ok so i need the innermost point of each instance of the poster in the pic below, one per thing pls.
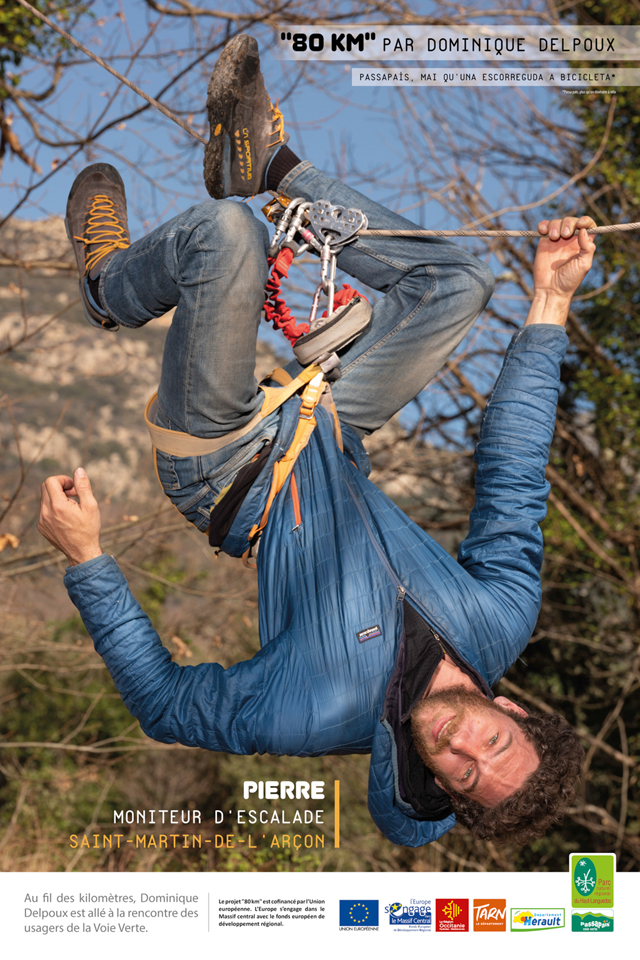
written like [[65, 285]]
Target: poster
[[90, 807]]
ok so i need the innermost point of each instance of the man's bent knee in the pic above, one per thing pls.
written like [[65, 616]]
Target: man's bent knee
[[227, 224], [486, 280], [475, 282]]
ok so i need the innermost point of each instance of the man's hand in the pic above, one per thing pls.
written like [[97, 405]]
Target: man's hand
[[73, 526], [562, 262]]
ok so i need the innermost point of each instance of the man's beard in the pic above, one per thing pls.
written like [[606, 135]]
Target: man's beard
[[460, 699]]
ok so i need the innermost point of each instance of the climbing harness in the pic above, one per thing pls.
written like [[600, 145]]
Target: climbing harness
[[332, 228]]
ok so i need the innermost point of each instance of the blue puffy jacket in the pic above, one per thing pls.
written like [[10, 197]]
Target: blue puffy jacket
[[314, 688]]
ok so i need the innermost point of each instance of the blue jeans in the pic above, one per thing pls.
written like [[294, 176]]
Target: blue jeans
[[210, 263]]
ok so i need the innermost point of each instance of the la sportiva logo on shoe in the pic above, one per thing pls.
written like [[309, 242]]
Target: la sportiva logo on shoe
[[452, 916], [243, 149]]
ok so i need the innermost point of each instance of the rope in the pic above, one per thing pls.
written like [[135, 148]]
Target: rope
[[145, 96], [610, 228]]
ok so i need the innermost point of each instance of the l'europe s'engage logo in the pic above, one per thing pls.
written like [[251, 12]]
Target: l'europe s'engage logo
[[359, 914], [415, 915]]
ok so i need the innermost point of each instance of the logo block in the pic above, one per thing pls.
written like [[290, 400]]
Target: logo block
[[592, 879], [592, 922], [534, 919], [452, 916], [358, 913], [414, 915], [490, 915]]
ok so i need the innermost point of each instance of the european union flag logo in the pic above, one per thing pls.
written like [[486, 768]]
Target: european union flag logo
[[358, 913]]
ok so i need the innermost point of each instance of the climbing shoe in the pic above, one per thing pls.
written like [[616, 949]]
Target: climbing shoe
[[96, 223], [245, 128]]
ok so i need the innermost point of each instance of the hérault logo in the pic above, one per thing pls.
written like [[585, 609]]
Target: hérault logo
[[530, 919]]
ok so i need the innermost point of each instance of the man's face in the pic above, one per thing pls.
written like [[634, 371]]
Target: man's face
[[474, 746]]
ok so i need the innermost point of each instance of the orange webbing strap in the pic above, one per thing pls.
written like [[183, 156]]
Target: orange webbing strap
[[276, 396], [180, 444], [296, 500], [283, 467], [312, 379], [280, 376]]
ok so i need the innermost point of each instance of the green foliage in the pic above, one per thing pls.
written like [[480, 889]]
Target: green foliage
[[584, 660], [48, 706], [22, 34]]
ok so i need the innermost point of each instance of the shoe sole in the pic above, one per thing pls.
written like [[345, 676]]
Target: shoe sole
[[238, 65]]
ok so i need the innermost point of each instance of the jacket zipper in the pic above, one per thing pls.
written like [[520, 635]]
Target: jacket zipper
[[403, 592]]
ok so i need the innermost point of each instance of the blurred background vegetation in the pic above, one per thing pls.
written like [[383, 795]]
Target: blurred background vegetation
[[70, 754]]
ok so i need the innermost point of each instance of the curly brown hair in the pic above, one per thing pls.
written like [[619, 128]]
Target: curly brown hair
[[543, 797]]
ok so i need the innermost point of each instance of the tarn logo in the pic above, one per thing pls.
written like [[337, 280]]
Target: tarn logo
[[490, 915]]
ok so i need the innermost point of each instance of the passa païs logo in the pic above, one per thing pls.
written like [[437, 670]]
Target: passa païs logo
[[592, 922], [361, 914], [490, 915], [530, 919], [452, 916], [415, 915], [592, 879]]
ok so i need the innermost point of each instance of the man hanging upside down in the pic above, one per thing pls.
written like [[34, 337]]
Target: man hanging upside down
[[373, 639]]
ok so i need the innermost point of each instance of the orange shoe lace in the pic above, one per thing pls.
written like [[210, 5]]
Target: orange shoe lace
[[103, 231]]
